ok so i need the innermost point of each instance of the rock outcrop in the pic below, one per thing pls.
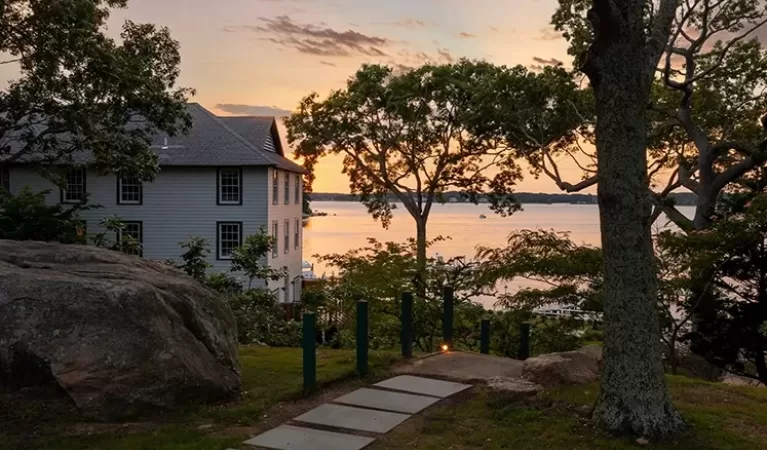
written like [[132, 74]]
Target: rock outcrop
[[568, 368], [119, 335]]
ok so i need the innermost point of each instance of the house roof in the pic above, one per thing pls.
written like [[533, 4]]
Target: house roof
[[223, 141], [213, 141]]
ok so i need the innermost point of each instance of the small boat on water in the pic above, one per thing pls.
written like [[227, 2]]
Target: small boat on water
[[482, 216]]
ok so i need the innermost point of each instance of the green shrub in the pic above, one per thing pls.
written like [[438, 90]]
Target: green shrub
[[27, 217], [261, 319]]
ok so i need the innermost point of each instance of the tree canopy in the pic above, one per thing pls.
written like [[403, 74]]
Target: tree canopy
[[79, 89], [415, 135]]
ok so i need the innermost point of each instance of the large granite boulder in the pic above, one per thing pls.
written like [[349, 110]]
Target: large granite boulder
[[117, 334], [566, 368]]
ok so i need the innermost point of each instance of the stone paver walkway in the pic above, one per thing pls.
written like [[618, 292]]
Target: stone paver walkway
[[374, 410]]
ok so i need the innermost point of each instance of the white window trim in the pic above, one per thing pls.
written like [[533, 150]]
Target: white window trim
[[121, 200], [297, 234], [219, 242], [64, 192], [276, 237], [275, 187], [220, 187], [286, 246], [140, 239], [287, 188]]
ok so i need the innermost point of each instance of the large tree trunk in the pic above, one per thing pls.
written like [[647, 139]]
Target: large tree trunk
[[634, 398], [421, 243]]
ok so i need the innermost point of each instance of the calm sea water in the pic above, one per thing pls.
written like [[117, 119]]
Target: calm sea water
[[348, 226]]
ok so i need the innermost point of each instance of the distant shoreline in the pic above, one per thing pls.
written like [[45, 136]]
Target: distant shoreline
[[681, 199]]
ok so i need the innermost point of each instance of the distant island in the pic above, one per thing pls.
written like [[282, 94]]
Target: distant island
[[681, 198]]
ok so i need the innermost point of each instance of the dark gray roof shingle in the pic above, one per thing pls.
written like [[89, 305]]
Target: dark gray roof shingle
[[212, 142]]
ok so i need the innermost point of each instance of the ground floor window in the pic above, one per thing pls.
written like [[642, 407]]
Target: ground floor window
[[131, 238], [229, 238]]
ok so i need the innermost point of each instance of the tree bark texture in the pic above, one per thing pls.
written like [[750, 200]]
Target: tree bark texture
[[634, 398]]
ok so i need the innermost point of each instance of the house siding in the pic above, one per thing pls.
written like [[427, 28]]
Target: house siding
[[280, 213], [180, 203]]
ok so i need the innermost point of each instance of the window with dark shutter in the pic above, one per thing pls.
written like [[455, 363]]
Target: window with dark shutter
[[230, 186], [287, 237], [75, 186], [298, 188], [131, 238], [287, 188], [296, 234], [229, 238], [129, 191], [275, 186], [276, 239]]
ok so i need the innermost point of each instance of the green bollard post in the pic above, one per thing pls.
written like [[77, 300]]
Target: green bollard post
[[447, 320], [362, 338], [310, 352], [524, 341], [484, 342], [407, 325]]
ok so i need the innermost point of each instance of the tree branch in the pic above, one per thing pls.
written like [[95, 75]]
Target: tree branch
[[659, 36]]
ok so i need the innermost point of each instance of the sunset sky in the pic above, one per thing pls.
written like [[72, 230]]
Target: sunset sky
[[262, 56]]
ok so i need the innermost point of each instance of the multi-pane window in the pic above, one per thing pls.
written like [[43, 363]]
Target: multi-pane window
[[75, 186], [287, 237], [287, 188], [298, 188], [229, 238], [296, 233], [131, 238], [275, 186], [275, 239], [129, 191], [5, 179], [229, 187]]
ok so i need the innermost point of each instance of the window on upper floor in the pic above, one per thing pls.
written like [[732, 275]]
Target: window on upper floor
[[275, 239], [230, 186], [287, 237], [229, 238], [275, 186], [74, 192], [5, 178], [296, 234], [129, 191], [131, 238], [298, 188], [287, 188]]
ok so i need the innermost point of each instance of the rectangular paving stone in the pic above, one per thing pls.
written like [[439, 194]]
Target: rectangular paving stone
[[353, 418], [425, 386], [387, 400], [287, 437]]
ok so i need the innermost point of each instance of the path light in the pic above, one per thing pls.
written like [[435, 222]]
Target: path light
[[445, 348]]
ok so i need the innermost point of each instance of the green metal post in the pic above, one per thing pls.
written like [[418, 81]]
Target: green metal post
[[484, 342], [524, 341], [362, 338], [447, 320], [310, 355], [407, 325]]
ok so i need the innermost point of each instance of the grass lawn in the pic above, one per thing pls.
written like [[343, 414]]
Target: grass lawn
[[269, 376], [720, 417]]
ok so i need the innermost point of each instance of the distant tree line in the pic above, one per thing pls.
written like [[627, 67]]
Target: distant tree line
[[678, 198]]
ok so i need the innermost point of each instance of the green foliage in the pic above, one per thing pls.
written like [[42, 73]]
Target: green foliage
[[250, 256], [734, 251], [195, 263], [571, 274], [430, 126], [223, 283], [78, 88], [547, 335], [380, 273], [27, 216], [261, 319]]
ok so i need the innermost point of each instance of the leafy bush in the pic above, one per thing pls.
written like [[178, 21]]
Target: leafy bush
[[27, 217], [261, 320], [223, 283], [195, 263]]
